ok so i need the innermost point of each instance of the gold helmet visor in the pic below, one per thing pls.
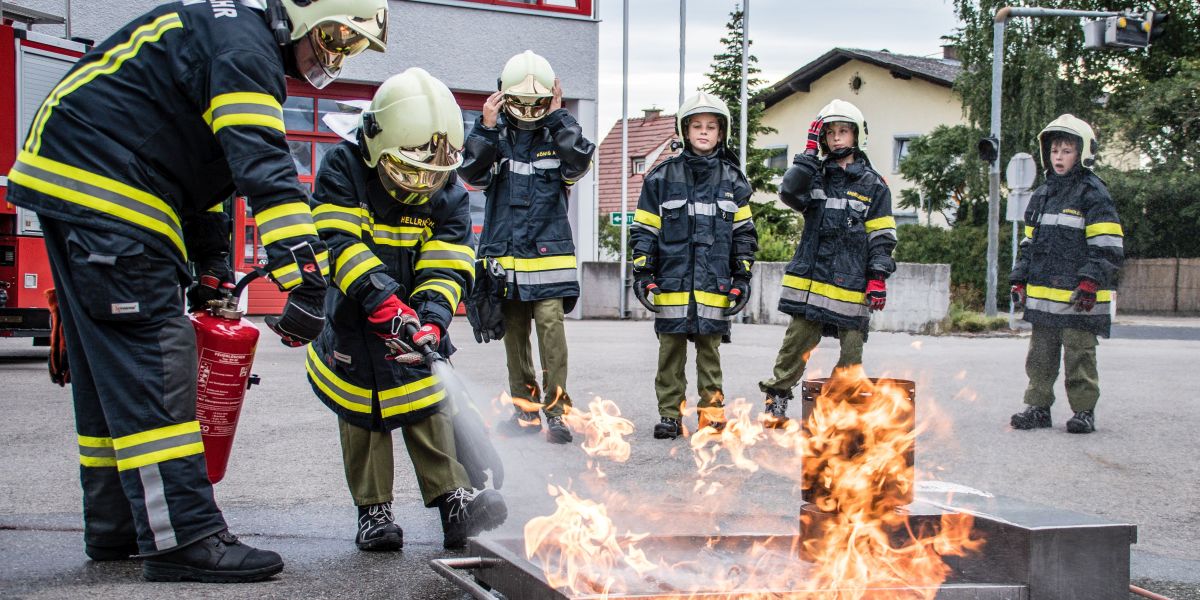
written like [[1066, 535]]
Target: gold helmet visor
[[527, 108], [421, 169]]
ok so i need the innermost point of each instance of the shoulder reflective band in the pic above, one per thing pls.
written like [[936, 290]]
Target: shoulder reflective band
[[436, 254], [647, 220], [284, 221], [106, 64], [98, 193], [1104, 229], [742, 214], [352, 263], [244, 108], [96, 451], [411, 397], [446, 287], [158, 445], [330, 216]]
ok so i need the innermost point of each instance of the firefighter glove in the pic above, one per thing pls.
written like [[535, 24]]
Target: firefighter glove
[[387, 321], [303, 316], [738, 297], [644, 289], [1017, 295], [60, 370], [211, 286], [429, 335], [484, 305], [1084, 296], [812, 146], [876, 294]]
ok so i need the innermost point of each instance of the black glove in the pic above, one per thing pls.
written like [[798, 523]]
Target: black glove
[[303, 316], [484, 305], [209, 286], [738, 296], [474, 447], [643, 288]]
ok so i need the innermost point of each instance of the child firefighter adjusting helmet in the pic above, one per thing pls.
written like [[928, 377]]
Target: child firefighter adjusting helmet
[[412, 133], [527, 82], [840, 111], [324, 33]]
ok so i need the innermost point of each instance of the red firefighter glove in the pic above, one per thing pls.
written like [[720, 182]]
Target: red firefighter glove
[[1017, 295], [876, 294], [388, 321], [1084, 296], [428, 335], [813, 145], [60, 370]]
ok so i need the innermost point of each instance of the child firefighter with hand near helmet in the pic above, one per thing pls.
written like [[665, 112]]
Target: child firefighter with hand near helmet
[[693, 248], [398, 225], [838, 274]]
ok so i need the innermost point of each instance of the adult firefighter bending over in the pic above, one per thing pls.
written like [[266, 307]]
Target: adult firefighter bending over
[[157, 124], [526, 159], [397, 223]]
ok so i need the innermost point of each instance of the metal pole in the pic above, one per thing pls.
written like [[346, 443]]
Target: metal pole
[[682, 45], [67, 21], [622, 303], [745, 69], [989, 301], [1012, 313]]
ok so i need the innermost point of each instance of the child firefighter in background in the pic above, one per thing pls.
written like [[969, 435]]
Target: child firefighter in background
[[838, 273], [693, 247], [397, 224], [1065, 273]]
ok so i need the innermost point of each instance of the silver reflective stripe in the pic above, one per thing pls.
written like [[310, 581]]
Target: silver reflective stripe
[[93, 452], [1108, 241], [545, 277], [332, 388], [158, 514], [650, 228], [1061, 220], [446, 255], [247, 108], [1064, 308], [741, 224], [710, 312], [399, 236], [673, 204], [672, 312], [265, 229], [287, 279], [835, 203], [727, 206], [848, 309], [817, 194], [348, 266], [444, 285], [857, 205], [411, 397], [704, 208], [889, 232], [547, 163], [520, 168], [354, 222], [174, 441]]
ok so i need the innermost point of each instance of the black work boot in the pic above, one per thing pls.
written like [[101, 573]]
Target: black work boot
[[218, 558], [1084, 421], [523, 422], [108, 553], [557, 431], [1033, 417], [466, 513], [775, 412], [377, 528], [668, 428]]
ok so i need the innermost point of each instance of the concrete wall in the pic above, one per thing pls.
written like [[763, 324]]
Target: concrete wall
[[1159, 285], [918, 296]]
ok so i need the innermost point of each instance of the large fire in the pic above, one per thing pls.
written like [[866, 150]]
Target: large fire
[[852, 458]]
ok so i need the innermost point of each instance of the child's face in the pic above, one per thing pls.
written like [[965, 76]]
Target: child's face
[[839, 136], [704, 132], [1063, 156]]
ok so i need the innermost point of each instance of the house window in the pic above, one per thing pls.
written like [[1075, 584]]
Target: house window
[[778, 157], [639, 166], [900, 150]]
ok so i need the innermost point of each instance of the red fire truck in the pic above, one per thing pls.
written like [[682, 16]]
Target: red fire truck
[[31, 64]]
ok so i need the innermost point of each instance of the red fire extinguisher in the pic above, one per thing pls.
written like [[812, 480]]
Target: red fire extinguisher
[[225, 342]]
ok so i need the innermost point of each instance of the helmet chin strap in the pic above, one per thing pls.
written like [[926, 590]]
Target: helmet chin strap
[[841, 153]]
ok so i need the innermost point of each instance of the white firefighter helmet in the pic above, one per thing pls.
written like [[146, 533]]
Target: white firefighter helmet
[[412, 132], [702, 102], [327, 32], [527, 82], [1074, 126], [840, 111]]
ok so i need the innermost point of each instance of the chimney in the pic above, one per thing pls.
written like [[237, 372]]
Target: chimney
[[950, 52], [653, 112]]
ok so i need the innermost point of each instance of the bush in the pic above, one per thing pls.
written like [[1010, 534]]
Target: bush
[[964, 248], [962, 318]]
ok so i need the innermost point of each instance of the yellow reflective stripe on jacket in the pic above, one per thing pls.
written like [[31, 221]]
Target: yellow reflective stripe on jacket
[[98, 193], [1061, 295], [217, 208], [330, 216], [352, 263], [646, 217], [742, 214], [288, 276], [244, 108], [1029, 231], [436, 254], [403, 236], [411, 397], [446, 287], [824, 289], [96, 451], [544, 263], [283, 221], [106, 64], [672, 299], [880, 223], [1096, 229], [158, 445], [711, 299], [345, 394]]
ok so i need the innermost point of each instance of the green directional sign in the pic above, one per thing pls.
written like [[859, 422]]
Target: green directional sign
[[614, 218]]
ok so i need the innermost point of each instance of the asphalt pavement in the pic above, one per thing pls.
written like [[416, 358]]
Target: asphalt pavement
[[285, 488]]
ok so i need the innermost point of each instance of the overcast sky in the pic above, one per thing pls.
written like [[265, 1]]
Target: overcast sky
[[785, 35]]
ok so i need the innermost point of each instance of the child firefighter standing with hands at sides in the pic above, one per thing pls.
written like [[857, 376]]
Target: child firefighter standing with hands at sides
[[693, 247], [838, 274]]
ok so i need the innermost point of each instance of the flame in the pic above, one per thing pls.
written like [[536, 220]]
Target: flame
[[604, 429]]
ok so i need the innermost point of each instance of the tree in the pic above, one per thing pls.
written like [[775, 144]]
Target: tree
[[724, 81], [947, 181]]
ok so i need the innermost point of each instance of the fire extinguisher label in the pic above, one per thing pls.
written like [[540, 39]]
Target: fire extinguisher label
[[220, 388]]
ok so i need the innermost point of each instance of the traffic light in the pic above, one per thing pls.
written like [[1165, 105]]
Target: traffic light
[[1124, 32], [1155, 25], [989, 149]]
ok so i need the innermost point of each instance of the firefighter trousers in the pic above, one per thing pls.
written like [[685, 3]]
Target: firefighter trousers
[[801, 337], [1076, 350], [670, 383], [132, 355], [370, 469], [547, 317]]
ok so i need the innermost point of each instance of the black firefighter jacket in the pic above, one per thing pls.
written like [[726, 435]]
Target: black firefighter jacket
[[416, 249], [162, 121], [694, 229], [1071, 232], [526, 176], [848, 238]]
